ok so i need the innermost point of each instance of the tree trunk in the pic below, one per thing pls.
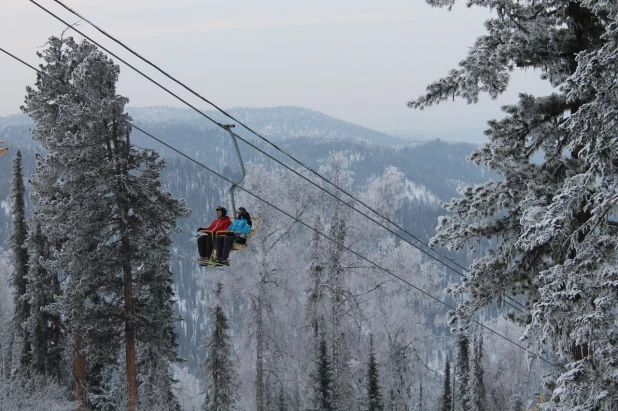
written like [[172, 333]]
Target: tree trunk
[[129, 331], [122, 148], [79, 373]]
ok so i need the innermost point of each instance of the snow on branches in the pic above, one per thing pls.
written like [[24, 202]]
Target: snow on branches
[[551, 219]]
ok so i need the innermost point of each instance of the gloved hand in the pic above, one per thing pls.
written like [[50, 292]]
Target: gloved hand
[[200, 229]]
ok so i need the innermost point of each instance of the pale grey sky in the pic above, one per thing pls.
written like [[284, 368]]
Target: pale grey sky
[[356, 60]]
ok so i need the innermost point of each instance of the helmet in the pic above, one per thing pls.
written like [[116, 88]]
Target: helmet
[[223, 211]]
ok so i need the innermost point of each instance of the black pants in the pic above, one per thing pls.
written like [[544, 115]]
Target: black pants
[[224, 245], [205, 245]]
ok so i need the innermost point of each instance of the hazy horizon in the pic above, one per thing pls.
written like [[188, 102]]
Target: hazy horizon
[[357, 61], [470, 135]]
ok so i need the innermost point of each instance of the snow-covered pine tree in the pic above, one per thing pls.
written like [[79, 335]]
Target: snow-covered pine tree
[[553, 221], [315, 300], [322, 379], [156, 346], [337, 166], [45, 326], [19, 278], [99, 200], [446, 399], [421, 399], [281, 402], [34, 392], [518, 404], [462, 371], [374, 394], [476, 386], [6, 316], [399, 388], [222, 391]]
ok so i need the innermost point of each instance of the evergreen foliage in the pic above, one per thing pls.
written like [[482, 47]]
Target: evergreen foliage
[[322, 380], [400, 391], [374, 395], [462, 372], [221, 394], [316, 314], [99, 200], [553, 221], [336, 167], [446, 400], [45, 326], [19, 279], [518, 405], [476, 386], [281, 400], [34, 392]]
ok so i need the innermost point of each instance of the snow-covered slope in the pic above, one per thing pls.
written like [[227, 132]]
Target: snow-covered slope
[[277, 123]]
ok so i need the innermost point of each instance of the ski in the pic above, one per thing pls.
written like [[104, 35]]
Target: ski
[[201, 263]]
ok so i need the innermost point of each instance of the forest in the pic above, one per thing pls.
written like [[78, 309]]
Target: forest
[[422, 276]]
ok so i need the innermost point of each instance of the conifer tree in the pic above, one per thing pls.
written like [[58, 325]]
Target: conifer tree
[[99, 199], [421, 399], [19, 250], [552, 218], [400, 390], [315, 314], [446, 400], [281, 401], [476, 386], [221, 394], [44, 325], [337, 166], [322, 379], [462, 371], [374, 395]]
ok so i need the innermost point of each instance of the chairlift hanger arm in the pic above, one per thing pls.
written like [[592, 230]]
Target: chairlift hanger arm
[[228, 128]]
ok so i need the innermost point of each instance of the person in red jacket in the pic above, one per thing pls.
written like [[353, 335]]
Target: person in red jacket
[[206, 242]]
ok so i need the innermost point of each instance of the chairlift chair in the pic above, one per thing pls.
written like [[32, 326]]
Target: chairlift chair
[[255, 221]]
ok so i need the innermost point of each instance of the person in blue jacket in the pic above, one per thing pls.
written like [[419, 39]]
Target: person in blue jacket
[[241, 225]]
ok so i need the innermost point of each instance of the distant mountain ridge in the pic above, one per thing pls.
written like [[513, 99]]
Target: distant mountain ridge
[[277, 123]]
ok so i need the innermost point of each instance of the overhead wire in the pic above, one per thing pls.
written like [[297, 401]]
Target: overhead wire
[[70, 88], [225, 113], [266, 140]]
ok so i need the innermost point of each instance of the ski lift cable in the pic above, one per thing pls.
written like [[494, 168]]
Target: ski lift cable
[[225, 127], [332, 240], [369, 217], [234, 135], [298, 220], [222, 111], [259, 136]]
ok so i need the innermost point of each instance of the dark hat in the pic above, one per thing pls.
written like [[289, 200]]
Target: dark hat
[[241, 210]]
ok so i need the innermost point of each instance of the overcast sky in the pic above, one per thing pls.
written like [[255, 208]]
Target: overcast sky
[[356, 60]]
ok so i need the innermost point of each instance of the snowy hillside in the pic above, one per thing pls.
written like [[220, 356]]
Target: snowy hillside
[[430, 173], [278, 123]]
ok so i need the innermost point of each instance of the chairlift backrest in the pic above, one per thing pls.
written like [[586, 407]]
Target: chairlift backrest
[[255, 223]]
